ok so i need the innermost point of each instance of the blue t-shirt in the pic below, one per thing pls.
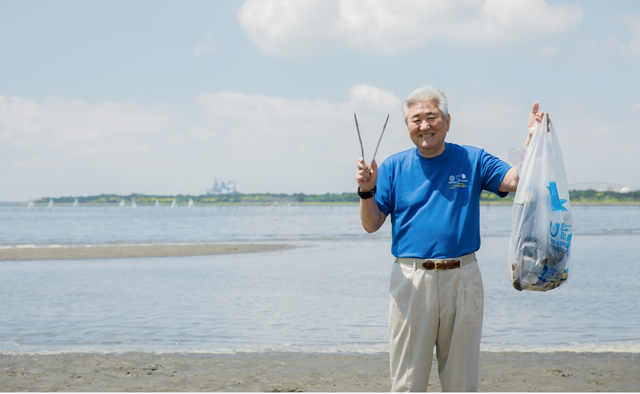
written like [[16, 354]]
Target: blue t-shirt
[[435, 203]]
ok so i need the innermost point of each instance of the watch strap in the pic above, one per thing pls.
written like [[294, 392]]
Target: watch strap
[[368, 194]]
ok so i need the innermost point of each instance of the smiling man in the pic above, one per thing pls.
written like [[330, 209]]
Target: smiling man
[[432, 193]]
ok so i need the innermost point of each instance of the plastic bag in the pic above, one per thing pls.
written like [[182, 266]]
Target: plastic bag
[[540, 247]]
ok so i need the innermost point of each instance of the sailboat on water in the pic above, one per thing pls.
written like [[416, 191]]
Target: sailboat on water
[[50, 203], [121, 202], [30, 204], [75, 203], [133, 204], [190, 202], [157, 203], [174, 203]]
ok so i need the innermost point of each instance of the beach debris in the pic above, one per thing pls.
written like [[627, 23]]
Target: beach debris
[[540, 246]]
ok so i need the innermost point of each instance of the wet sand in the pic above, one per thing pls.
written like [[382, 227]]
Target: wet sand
[[130, 251], [285, 372]]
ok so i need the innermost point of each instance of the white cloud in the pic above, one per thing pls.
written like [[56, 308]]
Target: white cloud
[[495, 124], [59, 146], [75, 127], [312, 28], [264, 143], [264, 126], [206, 46], [272, 143], [366, 96]]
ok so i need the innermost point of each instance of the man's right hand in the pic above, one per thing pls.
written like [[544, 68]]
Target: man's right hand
[[367, 175], [370, 215]]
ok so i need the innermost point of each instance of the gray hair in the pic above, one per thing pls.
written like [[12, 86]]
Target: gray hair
[[425, 93]]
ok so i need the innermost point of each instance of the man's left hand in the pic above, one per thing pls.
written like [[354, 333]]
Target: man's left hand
[[534, 118], [511, 179]]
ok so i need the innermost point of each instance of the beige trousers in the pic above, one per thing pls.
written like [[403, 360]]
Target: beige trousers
[[435, 308]]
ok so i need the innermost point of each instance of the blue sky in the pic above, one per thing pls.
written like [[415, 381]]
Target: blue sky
[[161, 97]]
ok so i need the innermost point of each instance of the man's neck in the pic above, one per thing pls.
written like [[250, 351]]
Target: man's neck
[[431, 153]]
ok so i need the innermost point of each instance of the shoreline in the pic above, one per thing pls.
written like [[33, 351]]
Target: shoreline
[[324, 372], [284, 204], [90, 252]]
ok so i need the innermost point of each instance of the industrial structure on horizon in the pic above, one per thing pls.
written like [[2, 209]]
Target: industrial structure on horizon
[[222, 187]]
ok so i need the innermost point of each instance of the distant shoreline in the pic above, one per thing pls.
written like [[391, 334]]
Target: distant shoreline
[[235, 204], [90, 252], [577, 197], [164, 205]]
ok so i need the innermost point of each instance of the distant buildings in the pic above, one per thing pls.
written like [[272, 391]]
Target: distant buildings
[[221, 187], [603, 186]]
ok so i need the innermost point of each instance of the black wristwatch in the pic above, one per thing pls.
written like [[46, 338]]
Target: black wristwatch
[[369, 194]]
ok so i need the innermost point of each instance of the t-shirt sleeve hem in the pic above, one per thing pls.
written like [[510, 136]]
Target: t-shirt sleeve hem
[[382, 208], [499, 193]]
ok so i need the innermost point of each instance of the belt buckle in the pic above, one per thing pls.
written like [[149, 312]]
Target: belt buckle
[[439, 265]]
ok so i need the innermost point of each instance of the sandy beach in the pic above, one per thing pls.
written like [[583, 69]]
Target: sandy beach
[[130, 251], [288, 372]]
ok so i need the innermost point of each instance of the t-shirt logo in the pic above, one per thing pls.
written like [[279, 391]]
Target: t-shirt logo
[[459, 180]]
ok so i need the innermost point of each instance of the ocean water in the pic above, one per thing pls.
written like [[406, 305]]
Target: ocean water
[[330, 293]]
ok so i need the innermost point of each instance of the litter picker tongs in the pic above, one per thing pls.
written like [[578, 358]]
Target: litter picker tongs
[[360, 138]]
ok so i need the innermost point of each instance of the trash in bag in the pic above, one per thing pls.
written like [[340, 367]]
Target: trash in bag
[[540, 247]]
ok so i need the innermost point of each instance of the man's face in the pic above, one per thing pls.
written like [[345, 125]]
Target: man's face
[[428, 128]]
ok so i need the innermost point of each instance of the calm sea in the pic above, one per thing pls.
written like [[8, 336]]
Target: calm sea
[[327, 294]]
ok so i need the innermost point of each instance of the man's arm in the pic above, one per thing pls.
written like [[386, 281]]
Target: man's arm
[[511, 179], [370, 215]]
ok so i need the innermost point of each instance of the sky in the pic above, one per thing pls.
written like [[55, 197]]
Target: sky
[[163, 97]]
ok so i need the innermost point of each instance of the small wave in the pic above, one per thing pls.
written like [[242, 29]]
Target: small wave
[[573, 347], [351, 348]]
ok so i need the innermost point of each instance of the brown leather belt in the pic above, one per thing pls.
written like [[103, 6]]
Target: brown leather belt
[[438, 264], [441, 265]]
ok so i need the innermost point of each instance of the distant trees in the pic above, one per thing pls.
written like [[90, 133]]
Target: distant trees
[[576, 196], [592, 196], [231, 198]]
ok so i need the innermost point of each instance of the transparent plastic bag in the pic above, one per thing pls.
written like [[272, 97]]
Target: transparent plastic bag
[[540, 247]]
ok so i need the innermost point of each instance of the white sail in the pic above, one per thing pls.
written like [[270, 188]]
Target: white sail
[[75, 203], [174, 203], [133, 204], [157, 203], [30, 204], [190, 203], [51, 203], [121, 202]]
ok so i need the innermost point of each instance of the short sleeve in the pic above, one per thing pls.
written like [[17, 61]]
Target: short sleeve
[[383, 185], [493, 171]]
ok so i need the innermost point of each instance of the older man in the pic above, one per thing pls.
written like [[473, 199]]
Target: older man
[[432, 193]]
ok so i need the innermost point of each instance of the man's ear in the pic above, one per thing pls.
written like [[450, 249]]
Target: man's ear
[[448, 121]]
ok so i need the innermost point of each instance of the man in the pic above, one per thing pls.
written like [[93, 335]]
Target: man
[[432, 193]]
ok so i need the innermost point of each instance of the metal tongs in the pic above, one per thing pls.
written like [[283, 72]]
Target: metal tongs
[[360, 138]]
